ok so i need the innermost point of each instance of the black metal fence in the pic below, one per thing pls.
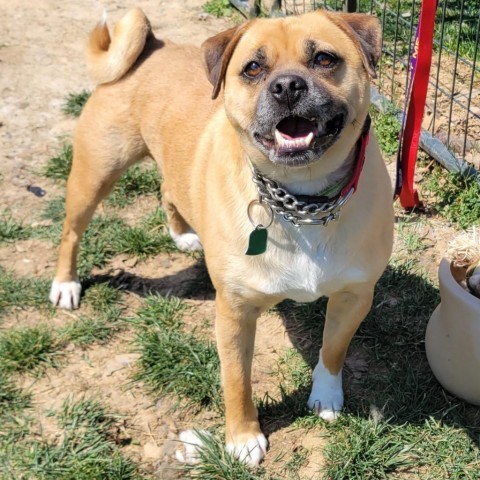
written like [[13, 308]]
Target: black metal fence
[[452, 115]]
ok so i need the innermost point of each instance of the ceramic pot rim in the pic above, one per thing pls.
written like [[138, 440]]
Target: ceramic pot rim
[[445, 276]]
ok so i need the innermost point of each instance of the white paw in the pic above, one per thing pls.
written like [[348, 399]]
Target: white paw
[[66, 294], [192, 444], [251, 452], [327, 393], [186, 241]]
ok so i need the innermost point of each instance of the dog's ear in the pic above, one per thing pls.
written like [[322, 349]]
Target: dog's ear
[[217, 52], [366, 33]]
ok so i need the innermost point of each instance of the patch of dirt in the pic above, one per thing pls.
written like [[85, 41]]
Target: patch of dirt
[[104, 372], [29, 258]]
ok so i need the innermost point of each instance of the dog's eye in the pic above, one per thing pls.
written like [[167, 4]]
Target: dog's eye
[[252, 70], [325, 60]]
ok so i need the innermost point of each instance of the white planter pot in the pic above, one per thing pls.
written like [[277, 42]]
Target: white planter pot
[[452, 339]]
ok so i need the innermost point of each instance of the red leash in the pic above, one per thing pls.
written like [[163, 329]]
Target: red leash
[[415, 99]]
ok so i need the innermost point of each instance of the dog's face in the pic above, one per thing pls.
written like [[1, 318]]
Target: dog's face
[[294, 86]]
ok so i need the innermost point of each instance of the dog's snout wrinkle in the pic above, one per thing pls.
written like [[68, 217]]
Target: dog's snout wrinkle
[[288, 89]]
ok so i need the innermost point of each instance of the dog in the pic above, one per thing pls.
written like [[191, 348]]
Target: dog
[[263, 139]]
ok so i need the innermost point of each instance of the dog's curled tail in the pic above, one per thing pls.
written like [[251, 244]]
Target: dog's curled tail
[[109, 59]]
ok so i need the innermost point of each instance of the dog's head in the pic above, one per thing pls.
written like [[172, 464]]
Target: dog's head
[[296, 87]]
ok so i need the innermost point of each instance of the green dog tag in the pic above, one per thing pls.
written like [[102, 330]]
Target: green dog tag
[[257, 242]]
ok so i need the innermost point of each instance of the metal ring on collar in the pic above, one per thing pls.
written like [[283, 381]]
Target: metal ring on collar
[[267, 207]]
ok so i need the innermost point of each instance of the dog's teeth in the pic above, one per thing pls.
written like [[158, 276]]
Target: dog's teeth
[[278, 137], [308, 139], [299, 143]]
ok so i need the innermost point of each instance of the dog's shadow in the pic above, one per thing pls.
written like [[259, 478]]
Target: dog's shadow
[[386, 370]]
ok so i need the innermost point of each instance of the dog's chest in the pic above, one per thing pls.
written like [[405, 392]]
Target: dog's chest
[[300, 264]]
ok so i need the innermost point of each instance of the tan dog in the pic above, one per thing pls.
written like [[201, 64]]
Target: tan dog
[[292, 109]]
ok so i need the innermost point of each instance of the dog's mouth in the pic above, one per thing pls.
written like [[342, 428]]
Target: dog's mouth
[[294, 136]]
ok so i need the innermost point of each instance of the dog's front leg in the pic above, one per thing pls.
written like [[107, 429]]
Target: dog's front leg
[[345, 312], [235, 330]]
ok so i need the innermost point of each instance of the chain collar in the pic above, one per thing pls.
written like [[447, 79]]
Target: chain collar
[[311, 210]]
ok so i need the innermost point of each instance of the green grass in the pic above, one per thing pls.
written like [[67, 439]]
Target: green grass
[[74, 103], [455, 196], [12, 230], [413, 241], [364, 448], [58, 167], [100, 325], [85, 450], [139, 242], [175, 362], [11, 397], [88, 329], [218, 8], [110, 236], [387, 128], [107, 236], [28, 350], [102, 297], [217, 464], [54, 210], [20, 293], [136, 181], [368, 450]]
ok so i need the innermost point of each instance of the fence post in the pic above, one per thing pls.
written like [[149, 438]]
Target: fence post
[[350, 6]]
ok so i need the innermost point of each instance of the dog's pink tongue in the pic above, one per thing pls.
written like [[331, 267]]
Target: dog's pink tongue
[[292, 128], [294, 134]]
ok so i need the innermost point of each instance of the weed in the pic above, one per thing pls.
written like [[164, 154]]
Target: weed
[[156, 221], [292, 371], [218, 8], [102, 324], [412, 240], [22, 292], [28, 349], [98, 243], [107, 236], [363, 449], [387, 129], [87, 413], [101, 297], [85, 450], [165, 311], [11, 230], [136, 181], [11, 397], [175, 362], [457, 196], [297, 461], [59, 166], [97, 328], [138, 242], [54, 210], [75, 102]]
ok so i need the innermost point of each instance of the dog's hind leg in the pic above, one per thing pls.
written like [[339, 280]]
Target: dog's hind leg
[[96, 166], [180, 231], [345, 311]]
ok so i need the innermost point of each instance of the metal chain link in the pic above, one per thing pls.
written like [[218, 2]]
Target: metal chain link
[[295, 211]]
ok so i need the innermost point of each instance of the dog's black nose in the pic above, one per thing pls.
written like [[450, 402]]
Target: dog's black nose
[[288, 89]]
